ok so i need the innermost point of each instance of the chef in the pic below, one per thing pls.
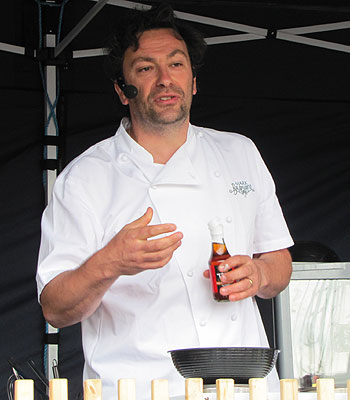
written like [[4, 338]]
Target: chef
[[125, 239]]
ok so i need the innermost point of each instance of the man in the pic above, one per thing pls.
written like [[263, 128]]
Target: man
[[125, 243]]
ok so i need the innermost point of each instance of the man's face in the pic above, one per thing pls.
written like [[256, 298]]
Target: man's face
[[161, 71]]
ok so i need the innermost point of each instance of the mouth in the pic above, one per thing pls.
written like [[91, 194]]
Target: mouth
[[166, 99]]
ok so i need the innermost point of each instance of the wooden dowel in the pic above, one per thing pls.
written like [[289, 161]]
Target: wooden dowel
[[92, 389], [160, 389], [194, 389], [225, 389], [289, 389], [325, 389], [58, 389], [257, 389], [24, 389], [127, 389], [348, 388]]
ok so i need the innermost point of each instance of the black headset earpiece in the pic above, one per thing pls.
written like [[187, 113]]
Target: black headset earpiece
[[130, 91]]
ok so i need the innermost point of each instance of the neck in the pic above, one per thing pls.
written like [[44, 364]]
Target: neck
[[161, 141]]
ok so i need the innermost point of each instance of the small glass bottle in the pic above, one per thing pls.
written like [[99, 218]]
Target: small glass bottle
[[219, 253]]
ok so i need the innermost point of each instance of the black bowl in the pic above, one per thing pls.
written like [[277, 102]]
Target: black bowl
[[211, 363]]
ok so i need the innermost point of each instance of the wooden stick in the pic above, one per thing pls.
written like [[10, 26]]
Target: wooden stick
[[58, 389], [289, 389], [127, 389], [160, 389], [257, 389], [194, 389], [92, 389], [348, 388], [225, 389], [325, 389], [24, 389]]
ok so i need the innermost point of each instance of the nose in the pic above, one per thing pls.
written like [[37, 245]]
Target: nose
[[163, 78]]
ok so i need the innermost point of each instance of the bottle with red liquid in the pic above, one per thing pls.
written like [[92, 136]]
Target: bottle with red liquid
[[219, 253]]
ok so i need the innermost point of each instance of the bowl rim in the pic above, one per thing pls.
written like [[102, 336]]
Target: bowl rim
[[272, 349]]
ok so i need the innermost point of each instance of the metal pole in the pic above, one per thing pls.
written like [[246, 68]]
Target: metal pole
[[51, 153], [284, 335], [79, 27]]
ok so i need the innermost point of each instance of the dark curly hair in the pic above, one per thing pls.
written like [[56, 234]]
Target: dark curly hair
[[136, 22]]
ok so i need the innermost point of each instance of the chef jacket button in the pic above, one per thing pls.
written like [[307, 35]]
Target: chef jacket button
[[203, 322], [190, 274], [233, 317], [154, 187], [124, 157], [200, 134], [217, 174], [229, 219]]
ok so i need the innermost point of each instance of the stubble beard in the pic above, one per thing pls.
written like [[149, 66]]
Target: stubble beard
[[150, 117], [156, 118]]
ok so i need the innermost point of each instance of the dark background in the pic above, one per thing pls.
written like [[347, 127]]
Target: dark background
[[291, 99]]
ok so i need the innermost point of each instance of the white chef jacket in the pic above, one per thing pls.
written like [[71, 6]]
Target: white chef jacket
[[141, 317]]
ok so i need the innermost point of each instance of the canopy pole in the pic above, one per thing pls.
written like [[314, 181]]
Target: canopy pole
[[79, 27], [51, 353]]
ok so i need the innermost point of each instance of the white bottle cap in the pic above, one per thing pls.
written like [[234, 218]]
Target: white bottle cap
[[215, 226]]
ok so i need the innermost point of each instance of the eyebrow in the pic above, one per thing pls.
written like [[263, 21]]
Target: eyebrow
[[177, 51], [150, 59]]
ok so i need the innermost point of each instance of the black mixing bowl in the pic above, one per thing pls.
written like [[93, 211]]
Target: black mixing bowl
[[211, 363]]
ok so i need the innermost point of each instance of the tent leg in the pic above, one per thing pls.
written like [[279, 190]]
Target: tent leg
[[51, 353]]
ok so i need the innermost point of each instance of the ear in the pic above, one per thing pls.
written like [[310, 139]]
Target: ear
[[124, 100], [194, 86]]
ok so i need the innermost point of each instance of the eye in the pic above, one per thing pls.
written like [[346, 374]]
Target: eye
[[177, 64], [144, 69]]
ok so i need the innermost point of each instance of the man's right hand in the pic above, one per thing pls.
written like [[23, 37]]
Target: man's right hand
[[132, 250], [75, 294]]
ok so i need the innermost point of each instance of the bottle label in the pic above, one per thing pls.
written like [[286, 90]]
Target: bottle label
[[216, 278]]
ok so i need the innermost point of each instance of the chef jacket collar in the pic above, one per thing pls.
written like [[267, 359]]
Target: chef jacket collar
[[130, 146], [178, 170]]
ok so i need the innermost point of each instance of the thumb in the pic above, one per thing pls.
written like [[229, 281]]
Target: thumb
[[144, 220]]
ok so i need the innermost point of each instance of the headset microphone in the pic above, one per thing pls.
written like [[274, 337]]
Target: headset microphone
[[130, 91]]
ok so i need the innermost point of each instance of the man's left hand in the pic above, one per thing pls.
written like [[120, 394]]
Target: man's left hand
[[264, 275]]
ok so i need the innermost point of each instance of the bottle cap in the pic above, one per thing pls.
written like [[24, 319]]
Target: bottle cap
[[216, 227]]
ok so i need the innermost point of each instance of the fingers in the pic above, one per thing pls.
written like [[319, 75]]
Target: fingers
[[239, 290], [237, 267], [136, 247], [140, 228], [156, 245], [150, 231], [156, 249], [241, 277], [161, 257]]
